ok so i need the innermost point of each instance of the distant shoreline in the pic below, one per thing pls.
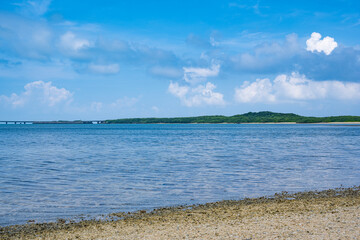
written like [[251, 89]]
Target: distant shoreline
[[87, 123], [299, 215], [247, 118], [265, 117]]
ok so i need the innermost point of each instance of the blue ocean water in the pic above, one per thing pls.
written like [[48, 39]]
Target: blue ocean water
[[63, 171]]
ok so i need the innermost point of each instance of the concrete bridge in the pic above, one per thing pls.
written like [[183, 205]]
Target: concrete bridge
[[52, 122], [16, 122]]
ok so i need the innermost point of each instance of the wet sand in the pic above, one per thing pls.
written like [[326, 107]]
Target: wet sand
[[330, 214]]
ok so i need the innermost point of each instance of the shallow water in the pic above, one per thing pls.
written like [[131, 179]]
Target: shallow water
[[62, 171]]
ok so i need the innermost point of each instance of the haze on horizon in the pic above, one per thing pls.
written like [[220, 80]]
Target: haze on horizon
[[120, 59]]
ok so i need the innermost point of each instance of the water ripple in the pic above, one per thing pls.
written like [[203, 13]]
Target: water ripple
[[59, 171]]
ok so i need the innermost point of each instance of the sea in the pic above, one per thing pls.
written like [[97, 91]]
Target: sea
[[80, 171]]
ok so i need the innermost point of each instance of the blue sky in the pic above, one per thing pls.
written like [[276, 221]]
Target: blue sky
[[117, 59]]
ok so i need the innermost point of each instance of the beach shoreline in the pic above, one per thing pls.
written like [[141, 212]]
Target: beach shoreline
[[331, 214]]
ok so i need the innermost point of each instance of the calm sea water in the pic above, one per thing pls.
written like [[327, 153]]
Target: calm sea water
[[62, 171]]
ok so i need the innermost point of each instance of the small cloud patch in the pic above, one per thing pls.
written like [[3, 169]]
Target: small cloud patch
[[295, 87], [197, 96], [195, 75], [39, 92], [326, 45], [69, 41]]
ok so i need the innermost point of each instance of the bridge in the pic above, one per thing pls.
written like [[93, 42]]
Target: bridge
[[16, 122], [52, 122]]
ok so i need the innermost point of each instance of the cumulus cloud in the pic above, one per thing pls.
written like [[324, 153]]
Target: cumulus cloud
[[295, 87], [39, 92], [195, 75], [104, 69], [290, 55], [69, 41], [258, 91], [197, 96], [276, 58], [191, 95], [326, 45]]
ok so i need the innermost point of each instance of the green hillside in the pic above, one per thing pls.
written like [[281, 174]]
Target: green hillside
[[250, 117]]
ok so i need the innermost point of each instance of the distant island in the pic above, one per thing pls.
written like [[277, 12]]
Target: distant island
[[250, 117], [64, 122]]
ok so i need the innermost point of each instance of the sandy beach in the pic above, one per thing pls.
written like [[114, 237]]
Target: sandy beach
[[330, 214]]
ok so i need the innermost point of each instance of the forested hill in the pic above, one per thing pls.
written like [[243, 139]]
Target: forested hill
[[250, 117]]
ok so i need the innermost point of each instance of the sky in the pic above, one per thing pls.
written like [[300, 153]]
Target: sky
[[93, 60]]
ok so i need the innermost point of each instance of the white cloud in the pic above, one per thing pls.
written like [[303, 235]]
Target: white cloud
[[201, 94], [299, 88], [195, 75], [295, 87], [70, 42], [326, 45], [104, 69], [197, 96], [39, 92], [178, 91], [258, 91]]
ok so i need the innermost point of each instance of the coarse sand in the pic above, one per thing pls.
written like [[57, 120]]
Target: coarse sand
[[329, 214]]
